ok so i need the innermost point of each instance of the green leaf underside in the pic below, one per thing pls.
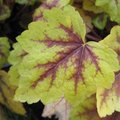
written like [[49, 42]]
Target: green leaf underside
[[108, 100], [52, 59]]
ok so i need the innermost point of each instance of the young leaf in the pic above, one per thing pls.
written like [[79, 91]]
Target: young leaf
[[58, 61], [48, 4], [4, 50], [112, 7], [7, 93], [100, 21], [108, 100], [113, 40], [59, 108]]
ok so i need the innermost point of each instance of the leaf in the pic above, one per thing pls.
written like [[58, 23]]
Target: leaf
[[85, 111], [111, 7], [4, 50], [46, 5], [108, 100], [28, 2], [89, 5], [7, 93], [100, 21], [87, 19], [5, 12], [113, 40], [58, 61], [61, 108]]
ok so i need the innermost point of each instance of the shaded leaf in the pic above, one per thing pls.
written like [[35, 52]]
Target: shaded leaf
[[28, 2], [4, 50], [7, 93], [2, 114], [5, 12], [87, 19], [89, 5], [100, 21]]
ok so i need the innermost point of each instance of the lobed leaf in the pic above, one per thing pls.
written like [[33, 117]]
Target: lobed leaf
[[108, 100], [51, 58], [113, 40]]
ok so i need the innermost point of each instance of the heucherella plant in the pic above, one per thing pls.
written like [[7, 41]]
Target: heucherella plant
[[52, 62]]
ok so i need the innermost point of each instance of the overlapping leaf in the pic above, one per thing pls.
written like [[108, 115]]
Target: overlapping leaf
[[4, 50], [7, 93], [51, 59], [112, 7], [108, 100], [49, 4], [113, 40], [89, 5]]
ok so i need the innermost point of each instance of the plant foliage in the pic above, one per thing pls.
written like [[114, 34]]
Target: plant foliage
[[63, 62]]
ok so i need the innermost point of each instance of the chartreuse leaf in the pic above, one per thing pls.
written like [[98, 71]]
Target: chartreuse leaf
[[108, 100], [57, 61], [48, 4], [4, 50], [89, 5], [112, 7], [113, 40], [7, 93]]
